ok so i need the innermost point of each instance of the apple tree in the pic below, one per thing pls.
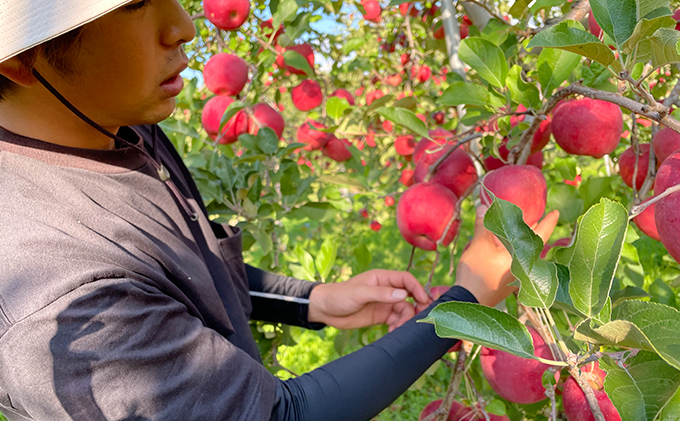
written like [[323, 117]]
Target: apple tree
[[345, 136]]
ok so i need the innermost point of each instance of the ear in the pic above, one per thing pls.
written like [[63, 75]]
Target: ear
[[14, 70]]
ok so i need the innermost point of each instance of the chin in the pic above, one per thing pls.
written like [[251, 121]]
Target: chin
[[158, 114]]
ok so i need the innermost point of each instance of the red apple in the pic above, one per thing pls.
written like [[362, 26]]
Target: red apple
[[405, 145], [342, 93], [373, 10], [593, 26], [337, 149], [457, 172], [646, 222], [424, 73], [476, 414], [403, 9], [303, 49], [423, 214], [307, 95], [269, 24], [676, 16], [268, 117], [542, 135], [394, 80], [389, 201], [587, 127], [465, 27], [387, 126], [457, 408], [375, 226], [227, 14], [627, 165], [439, 137], [406, 177], [523, 185], [225, 74], [372, 96], [667, 213], [405, 58], [574, 401], [314, 139], [665, 142], [438, 117], [517, 379], [212, 116]]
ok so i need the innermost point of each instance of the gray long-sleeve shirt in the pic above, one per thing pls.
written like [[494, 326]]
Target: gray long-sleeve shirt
[[113, 302]]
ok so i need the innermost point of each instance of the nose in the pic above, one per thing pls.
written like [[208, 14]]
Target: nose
[[178, 27]]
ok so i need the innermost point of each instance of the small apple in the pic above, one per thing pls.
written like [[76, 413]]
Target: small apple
[[342, 93], [337, 149], [389, 201], [315, 139], [373, 95], [405, 145], [227, 14], [225, 74], [307, 95], [212, 116], [375, 226], [627, 165], [647, 223], [406, 177], [264, 115], [665, 142], [269, 24], [373, 10], [456, 409]]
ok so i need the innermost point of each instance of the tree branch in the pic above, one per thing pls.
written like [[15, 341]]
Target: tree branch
[[442, 413], [588, 391]]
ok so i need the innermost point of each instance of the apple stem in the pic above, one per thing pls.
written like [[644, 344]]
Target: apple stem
[[429, 279], [638, 209], [410, 262], [198, 16], [588, 391]]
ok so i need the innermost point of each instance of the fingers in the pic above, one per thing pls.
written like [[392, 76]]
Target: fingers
[[401, 313], [545, 228], [402, 281], [479, 220], [380, 294]]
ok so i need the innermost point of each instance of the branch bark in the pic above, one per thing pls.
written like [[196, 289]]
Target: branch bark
[[442, 413], [452, 37], [588, 391]]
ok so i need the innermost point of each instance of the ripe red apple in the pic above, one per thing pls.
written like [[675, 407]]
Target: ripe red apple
[[465, 27], [268, 117], [492, 163], [389, 201], [676, 16], [373, 95], [373, 10], [627, 165], [439, 137], [665, 142], [212, 115], [406, 177], [307, 95], [438, 117], [523, 185], [423, 214], [303, 49], [476, 414], [394, 80], [424, 73], [314, 139], [457, 172], [667, 213], [457, 408], [574, 401], [375, 226], [227, 14], [593, 26], [225, 74], [337, 149], [514, 378], [387, 126], [646, 222], [403, 8], [342, 93], [587, 127], [405, 145], [404, 58]]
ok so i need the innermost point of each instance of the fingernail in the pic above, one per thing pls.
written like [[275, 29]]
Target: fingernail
[[481, 210], [399, 294]]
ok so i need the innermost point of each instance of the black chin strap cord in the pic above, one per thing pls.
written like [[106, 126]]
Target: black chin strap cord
[[163, 173]]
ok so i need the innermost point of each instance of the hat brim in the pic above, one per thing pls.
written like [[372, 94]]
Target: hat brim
[[25, 24]]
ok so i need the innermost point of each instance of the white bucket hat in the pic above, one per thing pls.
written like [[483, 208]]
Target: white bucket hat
[[27, 23]]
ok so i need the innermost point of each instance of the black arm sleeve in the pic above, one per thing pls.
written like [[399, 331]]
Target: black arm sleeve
[[287, 299], [358, 386]]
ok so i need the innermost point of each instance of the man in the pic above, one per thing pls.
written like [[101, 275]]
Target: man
[[119, 298]]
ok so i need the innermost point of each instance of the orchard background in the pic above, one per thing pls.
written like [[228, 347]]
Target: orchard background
[[320, 201]]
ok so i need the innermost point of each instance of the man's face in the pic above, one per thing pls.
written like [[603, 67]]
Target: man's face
[[125, 69]]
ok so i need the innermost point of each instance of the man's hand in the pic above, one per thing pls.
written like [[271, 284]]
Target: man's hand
[[370, 298], [484, 267]]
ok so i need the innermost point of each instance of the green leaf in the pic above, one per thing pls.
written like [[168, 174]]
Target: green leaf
[[522, 92], [326, 258], [482, 325], [617, 18], [464, 93], [231, 111], [565, 198], [352, 44], [316, 211], [298, 61], [652, 8], [519, 8], [595, 254], [628, 293], [306, 261], [405, 118], [570, 36], [660, 48], [343, 180], [363, 257], [267, 141], [299, 26], [263, 239], [538, 277], [646, 28], [640, 389], [335, 107], [486, 58], [542, 4], [637, 324], [377, 103], [554, 67], [284, 12]]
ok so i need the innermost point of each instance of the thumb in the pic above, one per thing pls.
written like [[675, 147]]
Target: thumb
[[381, 294], [479, 219], [545, 228]]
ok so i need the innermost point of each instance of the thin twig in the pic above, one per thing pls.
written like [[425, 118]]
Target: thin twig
[[442, 413], [452, 149], [429, 279], [410, 260], [588, 391], [638, 209], [491, 12]]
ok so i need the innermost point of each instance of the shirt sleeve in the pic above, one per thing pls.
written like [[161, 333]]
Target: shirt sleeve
[[358, 386], [121, 349], [280, 299]]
